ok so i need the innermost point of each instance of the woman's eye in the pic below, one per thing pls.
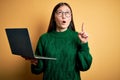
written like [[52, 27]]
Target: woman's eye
[[59, 12]]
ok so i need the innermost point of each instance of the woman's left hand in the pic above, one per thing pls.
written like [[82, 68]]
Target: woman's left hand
[[83, 36]]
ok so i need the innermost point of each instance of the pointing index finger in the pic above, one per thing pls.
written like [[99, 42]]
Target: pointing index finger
[[82, 28]]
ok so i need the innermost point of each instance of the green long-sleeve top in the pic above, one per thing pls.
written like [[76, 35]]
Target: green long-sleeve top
[[71, 55]]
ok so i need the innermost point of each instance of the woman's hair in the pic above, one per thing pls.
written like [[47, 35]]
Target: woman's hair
[[52, 24]]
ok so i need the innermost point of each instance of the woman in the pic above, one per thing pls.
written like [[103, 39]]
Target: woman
[[70, 48]]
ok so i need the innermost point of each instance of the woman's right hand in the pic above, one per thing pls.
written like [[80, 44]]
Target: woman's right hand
[[33, 61]]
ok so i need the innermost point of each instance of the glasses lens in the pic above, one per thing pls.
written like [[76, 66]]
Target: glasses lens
[[67, 14], [59, 13]]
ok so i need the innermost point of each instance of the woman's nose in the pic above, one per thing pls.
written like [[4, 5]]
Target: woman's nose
[[63, 15]]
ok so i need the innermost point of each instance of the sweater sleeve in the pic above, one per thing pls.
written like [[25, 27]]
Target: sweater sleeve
[[84, 58], [40, 66]]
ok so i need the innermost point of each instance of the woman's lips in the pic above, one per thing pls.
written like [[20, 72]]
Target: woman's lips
[[64, 21]]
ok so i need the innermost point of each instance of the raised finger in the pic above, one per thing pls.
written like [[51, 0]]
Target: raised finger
[[82, 28]]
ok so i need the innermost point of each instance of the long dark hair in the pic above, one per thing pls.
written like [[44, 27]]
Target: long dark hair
[[52, 24]]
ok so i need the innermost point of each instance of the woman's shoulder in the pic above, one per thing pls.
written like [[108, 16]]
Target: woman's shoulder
[[75, 33], [44, 36]]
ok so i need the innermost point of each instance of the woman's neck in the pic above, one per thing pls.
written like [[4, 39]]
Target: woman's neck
[[60, 29]]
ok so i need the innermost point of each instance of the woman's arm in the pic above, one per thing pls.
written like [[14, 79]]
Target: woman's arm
[[84, 58], [39, 66]]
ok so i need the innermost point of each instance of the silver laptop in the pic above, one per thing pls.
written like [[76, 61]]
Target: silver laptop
[[20, 43]]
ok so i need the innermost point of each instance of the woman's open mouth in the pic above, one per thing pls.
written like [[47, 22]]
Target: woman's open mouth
[[64, 21]]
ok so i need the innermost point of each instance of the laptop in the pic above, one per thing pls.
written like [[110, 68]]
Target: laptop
[[20, 43]]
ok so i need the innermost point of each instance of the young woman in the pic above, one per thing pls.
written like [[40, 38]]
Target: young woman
[[62, 42]]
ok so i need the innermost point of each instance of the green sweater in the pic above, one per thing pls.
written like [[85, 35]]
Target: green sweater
[[72, 56]]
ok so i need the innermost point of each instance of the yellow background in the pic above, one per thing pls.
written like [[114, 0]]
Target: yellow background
[[102, 23]]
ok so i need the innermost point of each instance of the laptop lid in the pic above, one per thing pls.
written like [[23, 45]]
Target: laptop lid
[[19, 42]]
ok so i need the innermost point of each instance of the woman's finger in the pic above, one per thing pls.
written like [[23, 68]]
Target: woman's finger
[[82, 28], [34, 61], [85, 35]]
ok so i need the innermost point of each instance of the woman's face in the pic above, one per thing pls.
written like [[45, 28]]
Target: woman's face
[[63, 17]]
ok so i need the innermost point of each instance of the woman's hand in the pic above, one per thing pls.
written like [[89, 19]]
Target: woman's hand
[[33, 61], [83, 35]]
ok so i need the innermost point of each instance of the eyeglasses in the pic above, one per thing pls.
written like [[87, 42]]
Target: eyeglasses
[[60, 13]]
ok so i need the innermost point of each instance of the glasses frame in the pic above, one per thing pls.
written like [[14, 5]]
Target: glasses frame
[[61, 13]]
